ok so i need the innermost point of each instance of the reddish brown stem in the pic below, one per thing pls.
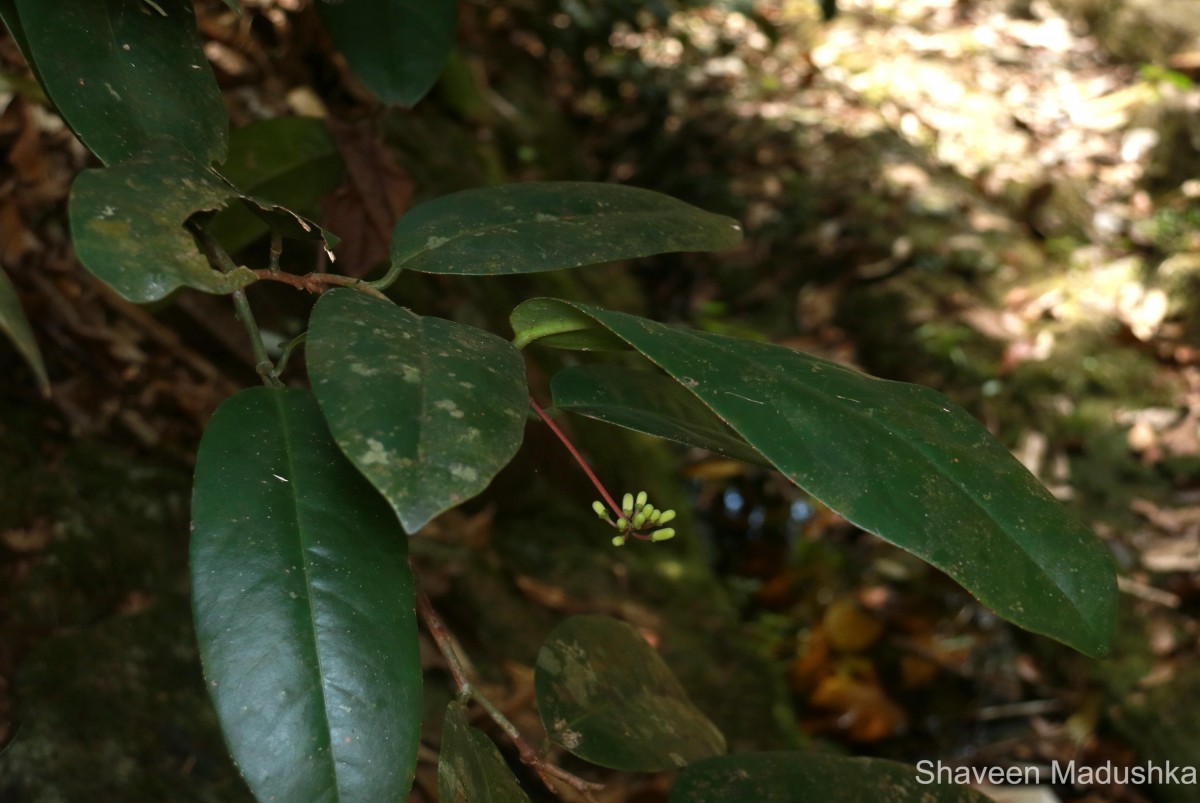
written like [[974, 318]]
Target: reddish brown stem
[[448, 648], [591, 475], [318, 282]]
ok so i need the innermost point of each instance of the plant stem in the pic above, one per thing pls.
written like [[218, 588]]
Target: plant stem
[[449, 649], [262, 362], [220, 260], [319, 282], [591, 475]]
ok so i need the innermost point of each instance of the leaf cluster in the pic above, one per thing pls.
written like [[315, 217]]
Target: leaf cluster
[[305, 604]]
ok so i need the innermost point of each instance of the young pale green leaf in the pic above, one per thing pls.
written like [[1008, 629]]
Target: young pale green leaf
[[792, 777], [527, 228], [397, 47], [127, 74], [554, 324], [127, 224], [649, 402], [427, 409], [290, 161], [470, 768], [15, 326], [906, 463], [304, 607], [607, 697]]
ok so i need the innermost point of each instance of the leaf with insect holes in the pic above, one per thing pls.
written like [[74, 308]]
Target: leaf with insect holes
[[286, 163], [127, 224]]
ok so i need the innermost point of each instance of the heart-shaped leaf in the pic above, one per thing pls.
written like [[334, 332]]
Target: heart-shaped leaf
[[906, 463], [470, 768], [607, 697], [649, 402], [127, 224], [304, 607], [790, 777], [15, 326], [289, 161], [396, 47], [526, 228], [128, 74], [427, 409]]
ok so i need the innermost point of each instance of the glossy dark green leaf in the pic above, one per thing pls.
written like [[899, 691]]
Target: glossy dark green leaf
[[15, 327], [289, 161], [648, 402], [304, 607], [127, 224], [791, 777], [396, 47], [128, 74], [906, 463], [607, 697], [470, 768], [427, 409], [526, 228]]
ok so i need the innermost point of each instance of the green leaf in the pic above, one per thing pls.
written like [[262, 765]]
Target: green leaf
[[289, 161], [553, 324], [607, 697], [127, 224], [791, 777], [127, 74], [427, 409], [470, 767], [526, 228], [906, 463], [647, 402], [304, 607], [396, 47], [16, 327]]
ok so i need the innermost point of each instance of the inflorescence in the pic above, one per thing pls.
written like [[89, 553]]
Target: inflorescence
[[637, 516]]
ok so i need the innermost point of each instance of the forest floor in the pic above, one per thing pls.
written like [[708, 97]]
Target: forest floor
[[972, 195]]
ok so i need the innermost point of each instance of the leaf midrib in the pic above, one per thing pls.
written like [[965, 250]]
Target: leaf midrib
[[577, 220], [874, 424], [294, 487]]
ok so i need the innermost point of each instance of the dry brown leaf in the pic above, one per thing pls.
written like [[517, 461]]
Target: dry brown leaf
[[365, 209]]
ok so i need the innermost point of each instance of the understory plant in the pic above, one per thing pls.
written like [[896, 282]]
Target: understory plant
[[306, 607]]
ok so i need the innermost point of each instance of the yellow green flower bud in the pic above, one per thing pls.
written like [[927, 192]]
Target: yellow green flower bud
[[664, 534], [618, 540], [641, 499], [639, 520], [666, 516], [598, 506], [627, 505], [622, 524]]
